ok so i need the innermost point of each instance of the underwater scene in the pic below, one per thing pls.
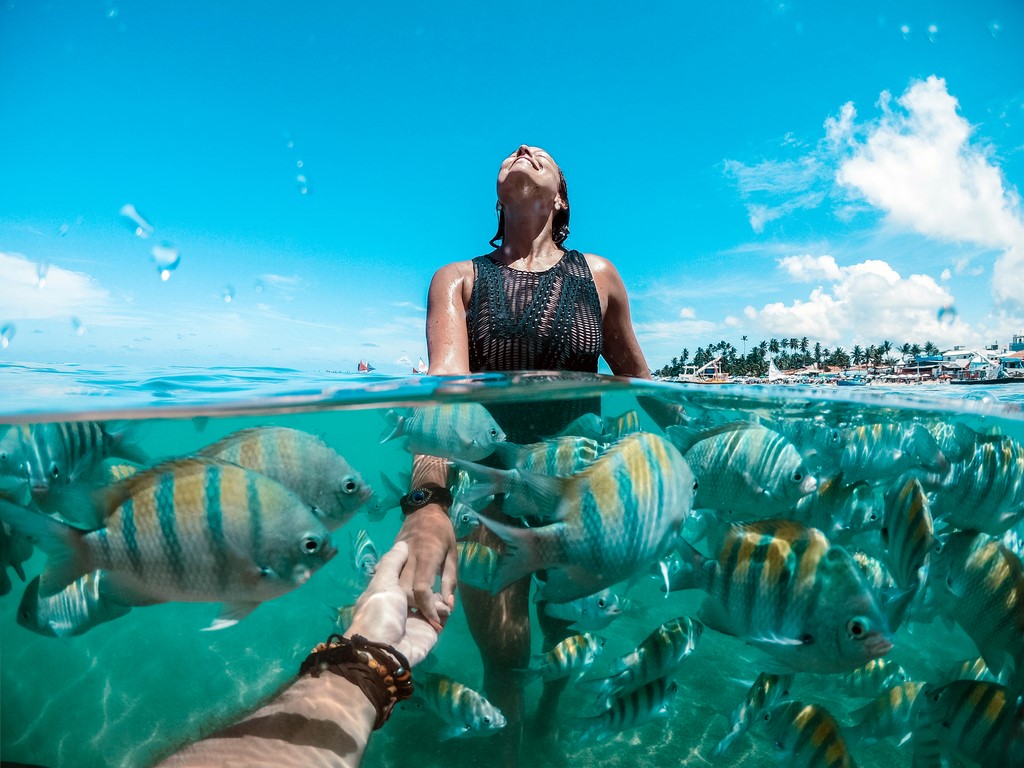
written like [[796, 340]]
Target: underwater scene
[[751, 574]]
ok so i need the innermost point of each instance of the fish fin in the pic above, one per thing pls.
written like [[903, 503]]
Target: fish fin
[[522, 555], [231, 614], [487, 481], [691, 567], [506, 454], [452, 732], [377, 511], [683, 438], [16, 490], [63, 544], [547, 490], [200, 422], [393, 428], [79, 505]]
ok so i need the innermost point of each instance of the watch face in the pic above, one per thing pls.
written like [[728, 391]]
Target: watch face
[[419, 497]]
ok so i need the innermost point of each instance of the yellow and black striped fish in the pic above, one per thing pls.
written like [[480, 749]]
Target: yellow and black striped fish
[[299, 461], [569, 658], [464, 711], [807, 736], [194, 530], [627, 710], [891, 714], [763, 695], [985, 492], [973, 720], [907, 532]]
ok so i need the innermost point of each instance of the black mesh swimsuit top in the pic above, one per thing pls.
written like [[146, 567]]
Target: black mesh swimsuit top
[[529, 321]]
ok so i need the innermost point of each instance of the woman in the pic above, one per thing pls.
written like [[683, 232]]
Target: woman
[[530, 304]]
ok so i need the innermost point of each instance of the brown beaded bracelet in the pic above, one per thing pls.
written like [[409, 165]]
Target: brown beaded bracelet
[[380, 671]]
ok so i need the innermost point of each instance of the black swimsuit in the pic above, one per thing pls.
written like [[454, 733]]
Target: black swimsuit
[[530, 321]]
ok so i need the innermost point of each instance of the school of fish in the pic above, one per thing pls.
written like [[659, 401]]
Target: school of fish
[[821, 546]]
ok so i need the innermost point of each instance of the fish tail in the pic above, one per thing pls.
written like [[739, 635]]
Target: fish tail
[[521, 556], [393, 428], [690, 569], [63, 544]]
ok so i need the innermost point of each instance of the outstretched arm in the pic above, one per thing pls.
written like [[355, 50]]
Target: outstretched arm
[[323, 720], [429, 530]]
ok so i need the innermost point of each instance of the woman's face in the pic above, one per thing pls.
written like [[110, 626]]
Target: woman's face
[[529, 172]]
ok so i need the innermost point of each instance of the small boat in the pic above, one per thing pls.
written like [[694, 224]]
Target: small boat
[[364, 367], [851, 381]]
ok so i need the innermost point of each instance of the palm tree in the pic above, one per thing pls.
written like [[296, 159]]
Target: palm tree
[[744, 345], [804, 344], [930, 348], [773, 346], [915, 349], [858, 354]]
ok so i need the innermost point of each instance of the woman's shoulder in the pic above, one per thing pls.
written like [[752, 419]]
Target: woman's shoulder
[[599, 264]]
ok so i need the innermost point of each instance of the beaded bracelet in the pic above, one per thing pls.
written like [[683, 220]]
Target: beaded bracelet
[[380, 671]]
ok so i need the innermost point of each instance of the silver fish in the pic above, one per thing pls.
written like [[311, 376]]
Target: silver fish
[[459, 431], [14, 550], [986, 492], [364, 554], [765, 692], [74, 610], [786, 590], [880, 451], [628, 710], [615, 518], [194, 530], [302, 462], [569, 658], [747, 470], [464, 711], [589, 614]]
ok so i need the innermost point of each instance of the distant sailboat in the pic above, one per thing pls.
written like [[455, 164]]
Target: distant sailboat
[[774, 374], [365, 367], [420, 368]]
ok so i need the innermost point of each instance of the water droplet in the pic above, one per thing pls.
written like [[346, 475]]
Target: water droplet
[[933, 32], [303, 184], [42, 269], [298, 163], [227, 293], [6, 334], [63, 229], [135, 221], [77, 326], [167, 258], [258, 286], [905, 31], [995, 28], [947, 314], [112, 13]]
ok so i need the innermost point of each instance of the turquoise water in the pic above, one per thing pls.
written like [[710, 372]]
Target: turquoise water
[[131, 689]]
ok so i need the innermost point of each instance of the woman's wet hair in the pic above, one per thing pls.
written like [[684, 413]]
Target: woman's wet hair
[[559, 224]]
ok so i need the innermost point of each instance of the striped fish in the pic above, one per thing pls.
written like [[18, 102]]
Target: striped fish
[[464, 431], [806, 736], [194, 530], [659, 654], [622, 425], [876, 452], [628, 710], [986, 492], [561, 456], [464, 711], [589, 425], [970, 669], [299, 461], [979, 583], [14, 550], [747, 470], [61, 453], [74, 610], [835, 508], [364, 554], [478, 564], [973, 720], [15, 479], [890, 714], [873, 679], [789, 592], [907, 532], [615, 518], [570, 658], [956, 441], [590, 613], [766, 691]]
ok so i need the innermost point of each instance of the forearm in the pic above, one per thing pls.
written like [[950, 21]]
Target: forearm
[[322, 721], [429, 469]]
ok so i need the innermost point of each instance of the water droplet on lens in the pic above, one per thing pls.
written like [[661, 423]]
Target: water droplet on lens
[[290, 144], [303, 184], [135, 221], [298, 163], [947, 314], [42, 268], [112, 13], [933, 32], [63, 229], [905, 31], [228, 293], [258, 286], [995, 28], [167, 258], [6, 334], [77, 326]]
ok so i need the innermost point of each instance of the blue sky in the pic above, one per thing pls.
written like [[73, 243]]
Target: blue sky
[[836, 171]]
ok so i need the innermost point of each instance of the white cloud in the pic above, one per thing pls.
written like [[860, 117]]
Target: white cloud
[[63, 293], [870, 294], [732, 322], [687, 313], [946, 275]]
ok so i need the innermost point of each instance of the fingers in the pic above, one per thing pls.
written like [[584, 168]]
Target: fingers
[[449, 579], [426, 603], [390, 567]]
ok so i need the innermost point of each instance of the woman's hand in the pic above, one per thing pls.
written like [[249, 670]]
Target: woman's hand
[[382, 611], [431, 540]]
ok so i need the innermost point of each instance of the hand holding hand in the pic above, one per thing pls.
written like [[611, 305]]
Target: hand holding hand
[[382, 611], [431, 539]]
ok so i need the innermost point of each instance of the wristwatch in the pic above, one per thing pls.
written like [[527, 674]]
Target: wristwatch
[[430, 493]]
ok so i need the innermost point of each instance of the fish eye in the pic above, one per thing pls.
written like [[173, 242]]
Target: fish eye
[[807, 639], [54, 471], [487, 721], [695, 484], [858, 628], [494, 432], [601, 603], [797, 476], [311, 545], [348, 485]]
